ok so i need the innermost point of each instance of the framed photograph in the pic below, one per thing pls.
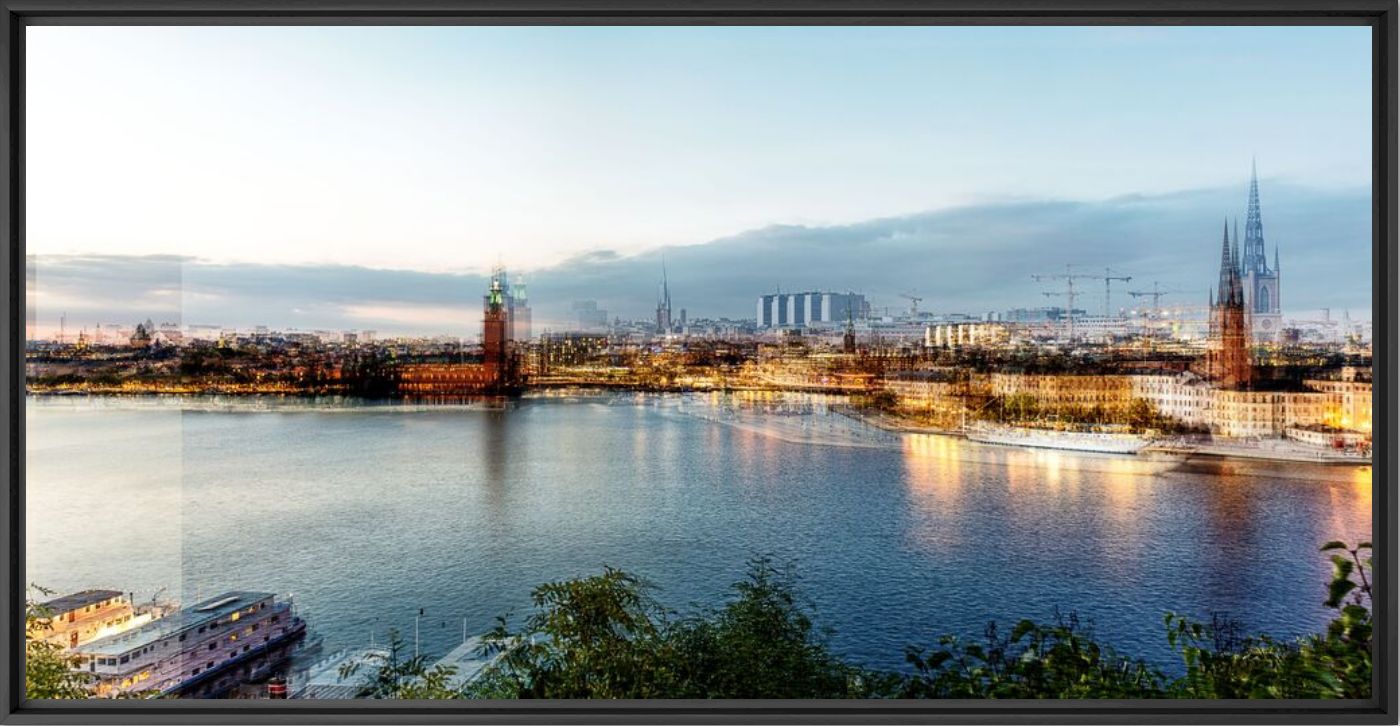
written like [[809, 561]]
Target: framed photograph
[[768, 362]]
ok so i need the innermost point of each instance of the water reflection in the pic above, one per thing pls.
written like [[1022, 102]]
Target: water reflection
[[897, 537]]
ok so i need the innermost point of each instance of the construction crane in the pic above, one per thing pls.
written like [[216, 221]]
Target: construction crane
[[1108, 278], [1156, 294], [914, 301], [1068, 276]]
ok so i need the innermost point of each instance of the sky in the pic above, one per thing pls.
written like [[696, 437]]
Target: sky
[[376, 174]]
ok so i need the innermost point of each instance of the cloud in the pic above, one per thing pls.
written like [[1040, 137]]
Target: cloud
[[968, 259]]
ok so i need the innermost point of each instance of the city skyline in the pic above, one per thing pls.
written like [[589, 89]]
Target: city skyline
[[379, 173], [1155, 239]]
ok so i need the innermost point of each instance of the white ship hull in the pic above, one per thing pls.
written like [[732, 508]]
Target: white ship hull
[[1102, 443]]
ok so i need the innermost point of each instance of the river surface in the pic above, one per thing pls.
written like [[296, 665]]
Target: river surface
[[366, 513]]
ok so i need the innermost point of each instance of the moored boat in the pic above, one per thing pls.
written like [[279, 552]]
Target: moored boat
[[1103, 442]]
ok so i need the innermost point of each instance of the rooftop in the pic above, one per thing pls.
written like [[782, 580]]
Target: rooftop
[[77, 600], [198, 614]]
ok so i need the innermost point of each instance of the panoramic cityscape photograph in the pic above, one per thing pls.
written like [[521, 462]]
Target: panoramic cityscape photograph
[[698, 362]]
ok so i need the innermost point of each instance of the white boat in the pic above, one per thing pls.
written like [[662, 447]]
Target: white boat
[[1091, 441]]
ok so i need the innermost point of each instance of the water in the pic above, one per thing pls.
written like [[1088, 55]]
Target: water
[[367, 513]]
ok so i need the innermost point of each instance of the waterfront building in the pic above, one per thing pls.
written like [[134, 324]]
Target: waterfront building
[[1340, 405], [941, 395], [1351, 402], [497, 370], [571, 349], [1106, 395], [201, 651], [494, 331], [82, 617], [444, 379], [1186, 398]]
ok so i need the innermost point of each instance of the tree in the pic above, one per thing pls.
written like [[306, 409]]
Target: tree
[[592, 637], [49, 671], [606, 636]]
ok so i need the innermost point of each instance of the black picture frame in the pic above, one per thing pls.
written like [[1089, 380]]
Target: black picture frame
[[1380, 15]]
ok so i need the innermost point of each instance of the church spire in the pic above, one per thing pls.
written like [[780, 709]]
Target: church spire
[[1227, 266], [1255, 259]]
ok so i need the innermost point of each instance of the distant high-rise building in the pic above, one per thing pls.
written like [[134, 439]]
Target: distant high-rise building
[[520, 310], [589, 316], [1260, 282], [809, 309]]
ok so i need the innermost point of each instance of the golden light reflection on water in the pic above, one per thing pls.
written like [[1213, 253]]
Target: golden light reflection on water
[[1039, 490], [1350, 502], [934, 473], [934, 465]]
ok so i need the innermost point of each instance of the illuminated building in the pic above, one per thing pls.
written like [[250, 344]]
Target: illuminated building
[[1350, 408], [444, 379], [495, 374], [571, 349], [1108, 394], [941, 395], [960, 335], [1338, 405]]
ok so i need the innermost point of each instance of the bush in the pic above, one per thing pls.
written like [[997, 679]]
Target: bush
[[605, 636]]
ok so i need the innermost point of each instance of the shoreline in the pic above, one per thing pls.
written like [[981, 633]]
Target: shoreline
[[1215, 450], [1212, 450]]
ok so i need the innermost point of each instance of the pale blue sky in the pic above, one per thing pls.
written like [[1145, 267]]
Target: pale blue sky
[[447, 149]]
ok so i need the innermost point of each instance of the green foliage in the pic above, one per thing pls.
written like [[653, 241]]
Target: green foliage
[[49, 671], [605, 636], [392, 675], [1032, 661], [762, 644], [593, 637], [1220, 663]]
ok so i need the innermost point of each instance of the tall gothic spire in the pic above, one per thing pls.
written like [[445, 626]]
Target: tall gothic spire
[[1255, 259], [1227, 266]]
